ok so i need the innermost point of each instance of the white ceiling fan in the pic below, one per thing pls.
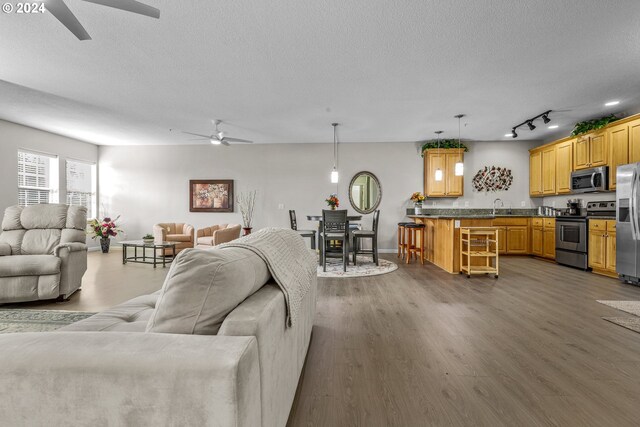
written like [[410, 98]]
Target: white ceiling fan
[[218, 137], [59, 9]]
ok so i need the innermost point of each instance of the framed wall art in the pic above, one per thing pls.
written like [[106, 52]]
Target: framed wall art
[[211, 195]]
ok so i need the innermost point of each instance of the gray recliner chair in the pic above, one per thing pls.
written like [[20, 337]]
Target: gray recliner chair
[[43, 254]]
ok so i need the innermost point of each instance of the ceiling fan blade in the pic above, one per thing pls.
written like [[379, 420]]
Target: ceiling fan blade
[[60, 10], [237, 140], [223, 142], [198, 139], [130, 6], [198, 134]]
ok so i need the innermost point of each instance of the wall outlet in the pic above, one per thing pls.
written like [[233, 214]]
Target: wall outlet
[[523, 203], [433, 203], [280, 206], [466, 204], [455, 204]]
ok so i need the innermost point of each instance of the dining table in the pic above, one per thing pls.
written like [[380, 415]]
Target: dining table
[[318, 218]]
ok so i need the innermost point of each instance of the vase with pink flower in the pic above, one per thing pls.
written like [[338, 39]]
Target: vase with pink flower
[[104, 230]]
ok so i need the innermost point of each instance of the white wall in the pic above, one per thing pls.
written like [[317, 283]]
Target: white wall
[[14, 137], [149, 184]]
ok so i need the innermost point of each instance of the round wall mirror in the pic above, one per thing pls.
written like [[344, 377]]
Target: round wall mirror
[[365, 192]]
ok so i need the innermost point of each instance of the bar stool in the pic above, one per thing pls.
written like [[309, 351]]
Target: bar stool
[[413, 231], [402, 246]]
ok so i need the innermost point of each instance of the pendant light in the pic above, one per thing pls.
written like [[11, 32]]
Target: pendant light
[[459, 167], [439, 174], [334, 173]]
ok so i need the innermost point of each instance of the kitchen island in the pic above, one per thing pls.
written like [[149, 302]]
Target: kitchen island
[[517, 235]]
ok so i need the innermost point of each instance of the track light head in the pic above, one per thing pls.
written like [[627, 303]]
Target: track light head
[[513, 133], [531, 125], [545, 119]]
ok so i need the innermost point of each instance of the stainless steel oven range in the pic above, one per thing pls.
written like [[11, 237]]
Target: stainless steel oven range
[[572, 234]]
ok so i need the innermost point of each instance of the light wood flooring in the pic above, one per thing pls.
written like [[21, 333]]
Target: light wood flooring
[[421, 347]]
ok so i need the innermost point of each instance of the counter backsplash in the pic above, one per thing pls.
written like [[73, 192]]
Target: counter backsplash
[[470, 211]]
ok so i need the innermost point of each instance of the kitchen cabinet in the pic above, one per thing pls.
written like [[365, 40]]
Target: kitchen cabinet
[[591, 150], [549, 238], [445, 160], [618, 150], [549, 170], [634, 141], [517, 240], [564, 166], [535, 174], [537, 238], [513, 235], [543, 237], [602, 247]]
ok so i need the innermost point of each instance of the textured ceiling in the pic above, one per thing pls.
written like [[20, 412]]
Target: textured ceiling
[[282, 71]]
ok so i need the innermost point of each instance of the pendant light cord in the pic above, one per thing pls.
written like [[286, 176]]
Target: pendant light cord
[[335, 146]]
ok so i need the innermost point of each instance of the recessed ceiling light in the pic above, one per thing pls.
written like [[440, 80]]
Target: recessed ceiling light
[[553, 127], [611, 103]]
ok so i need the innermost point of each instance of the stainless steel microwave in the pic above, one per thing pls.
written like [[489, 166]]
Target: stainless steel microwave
[[590, 180]]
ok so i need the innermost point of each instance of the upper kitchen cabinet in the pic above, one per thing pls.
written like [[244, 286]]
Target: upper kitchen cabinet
[[542, 171], [618, 137], [590, 150], [444, 159], [549, 170], [634, 141], [535, 173], [564, 166]]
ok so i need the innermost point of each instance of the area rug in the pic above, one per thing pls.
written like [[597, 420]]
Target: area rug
[[365, 268], [22, 320], [631, 307]]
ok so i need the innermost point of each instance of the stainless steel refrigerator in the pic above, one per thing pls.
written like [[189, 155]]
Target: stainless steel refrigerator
[[628, 222]]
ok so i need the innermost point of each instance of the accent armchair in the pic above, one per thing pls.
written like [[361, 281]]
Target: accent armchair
[[43, 254], [209, 237], [181, 233]]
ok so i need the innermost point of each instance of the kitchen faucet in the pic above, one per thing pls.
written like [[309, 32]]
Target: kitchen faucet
[[494, 205]]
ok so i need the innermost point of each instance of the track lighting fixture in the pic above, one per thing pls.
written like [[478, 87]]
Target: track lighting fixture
[[529, 123]]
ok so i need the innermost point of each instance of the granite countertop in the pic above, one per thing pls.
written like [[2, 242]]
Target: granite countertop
[[478, 216], [602, 217]]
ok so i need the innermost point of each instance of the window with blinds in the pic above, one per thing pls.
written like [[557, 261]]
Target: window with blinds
[[37, 178], [81, 185]]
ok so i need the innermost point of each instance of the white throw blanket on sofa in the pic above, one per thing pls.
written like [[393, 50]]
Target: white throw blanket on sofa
[[291, 263]]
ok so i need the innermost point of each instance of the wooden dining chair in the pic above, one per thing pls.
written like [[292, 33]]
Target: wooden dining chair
[[367, 234], [303, 233], [334, 228]]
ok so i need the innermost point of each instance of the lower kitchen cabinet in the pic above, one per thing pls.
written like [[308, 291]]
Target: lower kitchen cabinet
[[537, 238], [602, 247], [517, 240], [549, 243]]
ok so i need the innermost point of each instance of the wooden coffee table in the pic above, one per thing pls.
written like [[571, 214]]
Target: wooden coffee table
[[143, 258]]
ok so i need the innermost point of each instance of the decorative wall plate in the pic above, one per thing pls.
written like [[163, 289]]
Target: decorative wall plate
[[492, 179]]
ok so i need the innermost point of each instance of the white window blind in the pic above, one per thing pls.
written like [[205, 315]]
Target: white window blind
[[37, 178], [81, 185]]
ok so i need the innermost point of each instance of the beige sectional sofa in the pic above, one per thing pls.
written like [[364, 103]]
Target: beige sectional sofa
[[106, 370]]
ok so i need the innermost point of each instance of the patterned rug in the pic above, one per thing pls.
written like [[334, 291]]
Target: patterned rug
[[22, 320], [631, 307], [365, 268]]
